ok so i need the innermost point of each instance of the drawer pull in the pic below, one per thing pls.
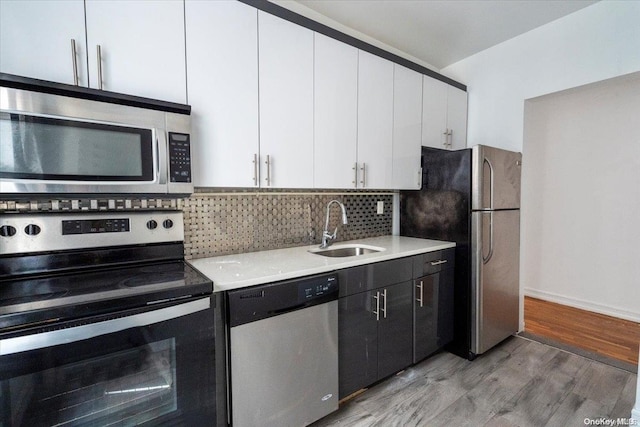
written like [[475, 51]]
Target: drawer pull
[[440, 261]]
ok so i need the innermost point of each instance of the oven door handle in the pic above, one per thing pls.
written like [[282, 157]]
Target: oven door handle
[[66, 336]]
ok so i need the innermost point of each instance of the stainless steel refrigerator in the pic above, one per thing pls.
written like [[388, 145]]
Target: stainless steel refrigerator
[[472, 197]]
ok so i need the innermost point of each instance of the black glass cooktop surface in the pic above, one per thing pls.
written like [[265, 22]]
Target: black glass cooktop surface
[[46, 298]]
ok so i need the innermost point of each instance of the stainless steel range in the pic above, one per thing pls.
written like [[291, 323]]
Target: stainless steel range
[[102, 322]]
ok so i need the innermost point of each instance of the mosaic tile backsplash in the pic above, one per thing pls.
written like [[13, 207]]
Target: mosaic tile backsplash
[[229, 222], [221, 224]]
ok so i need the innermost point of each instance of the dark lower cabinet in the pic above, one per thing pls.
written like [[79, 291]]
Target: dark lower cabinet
[[395, 340], [374, 335], [432, 313], [357, 342], [388, 319]]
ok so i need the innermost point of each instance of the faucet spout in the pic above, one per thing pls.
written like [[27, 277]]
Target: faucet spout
[[326, 236]]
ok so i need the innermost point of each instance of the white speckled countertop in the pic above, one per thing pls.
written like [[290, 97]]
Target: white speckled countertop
[[256, 268]]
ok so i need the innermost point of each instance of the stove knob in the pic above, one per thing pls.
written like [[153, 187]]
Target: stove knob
[[152, 224], [7, 231], [167, 223], [32, 230]]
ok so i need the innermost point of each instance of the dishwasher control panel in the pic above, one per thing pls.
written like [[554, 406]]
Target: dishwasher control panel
[[264, 301], [317, 288]]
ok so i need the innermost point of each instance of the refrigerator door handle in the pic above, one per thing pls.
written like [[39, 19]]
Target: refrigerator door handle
[[490, 254], [491, 182]]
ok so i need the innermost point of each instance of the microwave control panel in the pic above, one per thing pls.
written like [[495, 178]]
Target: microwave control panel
[[179, 157]]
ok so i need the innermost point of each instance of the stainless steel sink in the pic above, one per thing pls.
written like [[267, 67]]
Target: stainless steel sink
[[346, 251]]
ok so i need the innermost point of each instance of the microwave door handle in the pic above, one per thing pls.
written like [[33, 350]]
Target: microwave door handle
[[66, 336], [157, 160]]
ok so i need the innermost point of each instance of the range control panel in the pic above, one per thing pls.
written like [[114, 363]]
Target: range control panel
[[96, 226], [179, 157], [29, 233]]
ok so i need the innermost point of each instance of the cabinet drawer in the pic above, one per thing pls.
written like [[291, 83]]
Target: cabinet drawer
[[432, 262], [373, 276]]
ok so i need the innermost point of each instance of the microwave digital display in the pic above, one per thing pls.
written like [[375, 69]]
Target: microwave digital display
[[45, 148]]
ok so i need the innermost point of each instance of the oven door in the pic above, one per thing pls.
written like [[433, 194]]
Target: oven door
[[153, 367]]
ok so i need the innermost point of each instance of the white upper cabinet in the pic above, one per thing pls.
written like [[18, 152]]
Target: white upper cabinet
[[444, 115], [375, 121], [143, 47], [222, 58], [286, 103], [335, 113], [457, 117], [434, 113], [407, 126], [35, 39]]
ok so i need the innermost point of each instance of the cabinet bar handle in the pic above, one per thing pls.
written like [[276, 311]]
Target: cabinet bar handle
[[99, 51], [377, 311], [268, 163], [450, 138], [255, 170], [440, 261], [355, 179], [384, 304], [74, 61], [421, 288], [364, 175]]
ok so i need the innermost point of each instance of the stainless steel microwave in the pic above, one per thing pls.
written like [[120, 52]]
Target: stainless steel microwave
[[65, 140]]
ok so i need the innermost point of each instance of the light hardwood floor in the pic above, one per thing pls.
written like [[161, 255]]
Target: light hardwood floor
[[518, 383], [604, 335]]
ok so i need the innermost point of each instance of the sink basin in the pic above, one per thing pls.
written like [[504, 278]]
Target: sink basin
[[346, 251]]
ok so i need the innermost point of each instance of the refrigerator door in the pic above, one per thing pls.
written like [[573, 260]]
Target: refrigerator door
[[494, 277], [495, 178]]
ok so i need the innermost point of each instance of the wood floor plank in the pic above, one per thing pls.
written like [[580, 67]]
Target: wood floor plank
[[598, 333], [536, 403], [519, 383], [574, 409], [420, 408], [603, 384], [627, 399]]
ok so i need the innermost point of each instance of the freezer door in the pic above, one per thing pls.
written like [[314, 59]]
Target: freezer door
[[495, 178], [495, 277]]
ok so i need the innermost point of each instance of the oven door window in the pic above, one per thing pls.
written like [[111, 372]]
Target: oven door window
[[45, 148], [156, 374]]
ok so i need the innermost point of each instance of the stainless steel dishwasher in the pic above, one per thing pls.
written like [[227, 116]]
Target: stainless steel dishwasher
[[284, 352]]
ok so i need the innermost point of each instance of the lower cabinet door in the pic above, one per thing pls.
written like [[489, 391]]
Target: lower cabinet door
[[357, 342], [445, 308], [395, 341], [425, 314]]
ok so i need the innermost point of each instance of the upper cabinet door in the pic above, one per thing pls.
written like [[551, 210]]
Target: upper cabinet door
[[457, 117], [35, 39], [434, 113], [222, 58], [286, 103], [407, 127], [143, 47], [335, 113], [375, 121]]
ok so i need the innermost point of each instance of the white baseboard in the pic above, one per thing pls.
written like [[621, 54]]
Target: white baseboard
[[582, 304]]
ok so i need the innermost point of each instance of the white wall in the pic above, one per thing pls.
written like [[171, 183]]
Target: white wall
[[595, 43], [580, 221]]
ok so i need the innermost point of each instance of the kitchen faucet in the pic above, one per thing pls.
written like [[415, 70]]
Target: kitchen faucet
[[326, 236]]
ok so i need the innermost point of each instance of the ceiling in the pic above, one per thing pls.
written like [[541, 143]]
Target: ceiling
[[441, 32]]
